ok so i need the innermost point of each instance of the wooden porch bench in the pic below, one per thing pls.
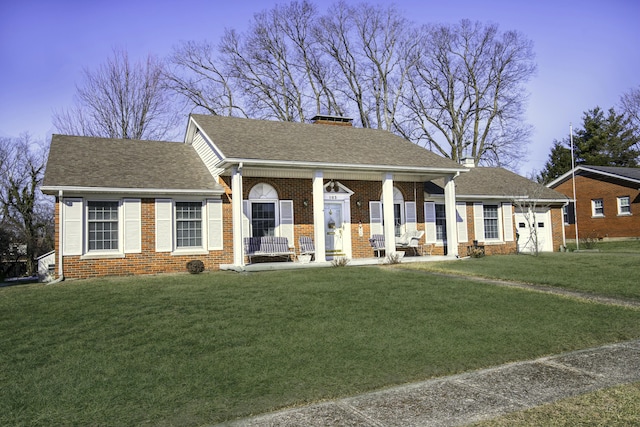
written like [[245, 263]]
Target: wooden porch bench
[[268, 246]]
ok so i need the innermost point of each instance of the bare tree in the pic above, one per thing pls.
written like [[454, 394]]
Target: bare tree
[[122, 99], [197, 75], [374, 48], [24, 209], [467, 92], [457, 89], [630, 102]]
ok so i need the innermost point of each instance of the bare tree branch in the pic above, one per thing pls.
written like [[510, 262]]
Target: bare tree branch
[[121, 100]]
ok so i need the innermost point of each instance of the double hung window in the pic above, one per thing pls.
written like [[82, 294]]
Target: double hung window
[[597, 207], [624, 205], [263, 219], [441, 222], [188, 224], [491, 223], [102, 218]]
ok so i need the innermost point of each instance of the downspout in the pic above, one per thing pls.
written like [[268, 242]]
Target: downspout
[[60, 234]]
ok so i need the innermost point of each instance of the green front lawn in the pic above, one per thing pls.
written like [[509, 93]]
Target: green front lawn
[[604, 273], [201, 349]]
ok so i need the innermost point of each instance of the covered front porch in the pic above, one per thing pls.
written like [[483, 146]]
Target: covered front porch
[[338, 210]]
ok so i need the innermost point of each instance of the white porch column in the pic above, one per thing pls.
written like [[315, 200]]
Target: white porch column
[[387, 214], [452, 218], [236, 216], [318, 216]]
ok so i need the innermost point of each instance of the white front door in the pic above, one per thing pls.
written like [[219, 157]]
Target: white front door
[[334, 229]]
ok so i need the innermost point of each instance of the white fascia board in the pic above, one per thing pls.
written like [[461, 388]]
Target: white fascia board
[[53, 190], [506, 198], [588, 169], [561, 178], [609, 174], [339, 166]]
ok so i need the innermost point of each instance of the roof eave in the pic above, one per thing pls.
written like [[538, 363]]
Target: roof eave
[[229, 162], [53, 190], [586, 168]]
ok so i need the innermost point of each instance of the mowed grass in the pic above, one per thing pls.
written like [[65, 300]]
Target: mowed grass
[[615, 406], [200, 349], [604, 273]]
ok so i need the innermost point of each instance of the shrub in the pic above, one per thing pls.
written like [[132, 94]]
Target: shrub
[[476, 252], [195, 266], [340, 261], [590, 241], [394, 258]]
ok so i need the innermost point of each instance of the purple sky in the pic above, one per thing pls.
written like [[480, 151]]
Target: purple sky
[[588, 52]]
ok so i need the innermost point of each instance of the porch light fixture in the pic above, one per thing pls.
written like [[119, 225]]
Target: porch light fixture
[[359, 203], [305, 202]]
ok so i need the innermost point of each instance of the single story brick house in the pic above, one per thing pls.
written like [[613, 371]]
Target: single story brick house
[[607, 202], [503, 211], [144, 207]]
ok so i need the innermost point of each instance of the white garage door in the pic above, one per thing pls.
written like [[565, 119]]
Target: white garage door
[[534, 225]]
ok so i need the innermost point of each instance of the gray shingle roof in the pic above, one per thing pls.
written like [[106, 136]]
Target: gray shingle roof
[[630, 173], [249, 139], [489, 181], [76, 161]]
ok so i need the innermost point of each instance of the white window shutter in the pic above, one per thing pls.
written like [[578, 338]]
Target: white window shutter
[[164, 225], [132, 216], [246, 218], [507, 219], [430, 222], [478, 221], [72, 212], [375, 217], [214, 225], [461, 221], [286, 221], [410, 216]]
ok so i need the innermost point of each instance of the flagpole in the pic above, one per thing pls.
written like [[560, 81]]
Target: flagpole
[[573, 179]]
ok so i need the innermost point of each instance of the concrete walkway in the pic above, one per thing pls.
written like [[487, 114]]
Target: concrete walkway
[[473, 396]]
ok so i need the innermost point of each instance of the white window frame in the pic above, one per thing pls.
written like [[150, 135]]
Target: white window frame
[[190, 250], [203, 230], [626, 205], [498, 220], [595, 207], [283, 211], [118, 221], [166, 225]]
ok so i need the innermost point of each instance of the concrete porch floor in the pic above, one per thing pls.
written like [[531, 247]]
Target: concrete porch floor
[[293, 265]]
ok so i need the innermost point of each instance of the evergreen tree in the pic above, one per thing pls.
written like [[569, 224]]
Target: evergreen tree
[[604, 140], [559, 161]]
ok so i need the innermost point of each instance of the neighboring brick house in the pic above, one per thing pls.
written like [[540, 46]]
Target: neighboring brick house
[[502, 211], [145, 207], [607, 202]]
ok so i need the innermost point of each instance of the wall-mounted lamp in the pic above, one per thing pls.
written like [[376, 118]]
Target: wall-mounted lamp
[[359, 203], [305, 202]]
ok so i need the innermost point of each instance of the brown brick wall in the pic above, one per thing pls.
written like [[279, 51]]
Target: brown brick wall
[[611, 225], [148, 261], [298, 190]]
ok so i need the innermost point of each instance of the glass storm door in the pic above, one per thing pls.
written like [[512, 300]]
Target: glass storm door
[[334, 229]]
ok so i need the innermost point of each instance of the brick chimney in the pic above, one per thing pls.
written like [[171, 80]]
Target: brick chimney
[[332, 120]]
